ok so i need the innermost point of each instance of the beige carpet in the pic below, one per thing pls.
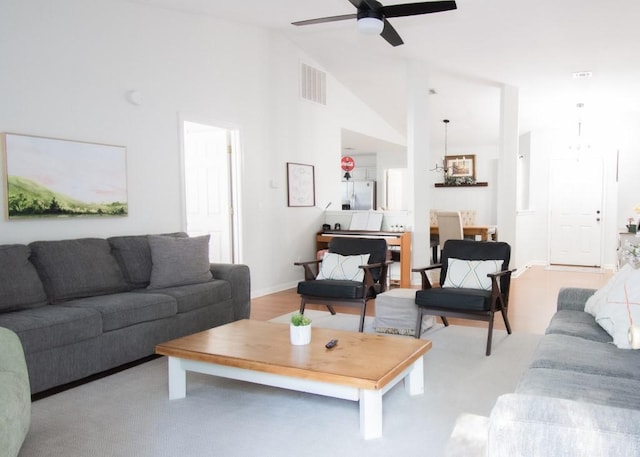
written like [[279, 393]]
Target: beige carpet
[[129, 414]]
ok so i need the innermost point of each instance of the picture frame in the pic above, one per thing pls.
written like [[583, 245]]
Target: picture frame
[[50, 177], [300, 185], [460, 166]]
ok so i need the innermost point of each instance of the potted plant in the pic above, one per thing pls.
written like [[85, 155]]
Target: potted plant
[[300, 329]]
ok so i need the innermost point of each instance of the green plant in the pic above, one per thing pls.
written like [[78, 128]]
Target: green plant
[[299, 320]]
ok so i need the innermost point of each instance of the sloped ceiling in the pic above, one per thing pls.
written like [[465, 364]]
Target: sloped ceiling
[[534, 46]]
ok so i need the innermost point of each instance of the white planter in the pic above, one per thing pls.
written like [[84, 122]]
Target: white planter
[[300, 335]]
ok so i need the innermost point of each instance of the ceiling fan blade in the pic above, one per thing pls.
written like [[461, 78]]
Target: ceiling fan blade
[[411, 9], [390, 34], [326, 19]]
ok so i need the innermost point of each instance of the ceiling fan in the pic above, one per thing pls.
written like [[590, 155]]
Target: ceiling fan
[[372, 16]]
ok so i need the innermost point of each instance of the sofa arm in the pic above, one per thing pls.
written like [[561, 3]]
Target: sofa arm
[[527, 425], [573, 298], [240, 280], [15, 394]]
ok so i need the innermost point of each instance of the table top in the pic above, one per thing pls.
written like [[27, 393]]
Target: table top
[[365, 361]]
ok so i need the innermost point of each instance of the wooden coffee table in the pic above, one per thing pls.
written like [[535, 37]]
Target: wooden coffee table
[[361, 367]]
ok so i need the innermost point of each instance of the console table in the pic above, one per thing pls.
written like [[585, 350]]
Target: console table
[[402, 239]]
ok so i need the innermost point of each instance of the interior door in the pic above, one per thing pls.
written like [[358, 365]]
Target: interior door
[[207, 164], [576, 211]]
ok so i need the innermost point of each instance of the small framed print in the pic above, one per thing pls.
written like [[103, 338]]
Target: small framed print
[[300, 185], [461, 166]]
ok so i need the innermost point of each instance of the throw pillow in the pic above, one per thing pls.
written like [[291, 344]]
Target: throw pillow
[[336, 266], [612, 314], [178, 261], [599, 298], [471, 274]]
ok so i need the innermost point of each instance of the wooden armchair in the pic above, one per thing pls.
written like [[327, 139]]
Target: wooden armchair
[[344, 278], [474, 284]]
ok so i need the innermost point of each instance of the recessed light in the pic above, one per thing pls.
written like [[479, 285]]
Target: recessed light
[[582, 74]]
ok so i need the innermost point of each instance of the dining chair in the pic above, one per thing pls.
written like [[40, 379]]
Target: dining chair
[[449, 227]]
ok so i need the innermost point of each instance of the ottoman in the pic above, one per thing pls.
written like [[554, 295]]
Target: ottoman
[[396, 313]]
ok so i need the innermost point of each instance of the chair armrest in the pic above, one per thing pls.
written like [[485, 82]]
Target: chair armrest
[[382, 280], [309, 275], [500, 273], [426, 284]]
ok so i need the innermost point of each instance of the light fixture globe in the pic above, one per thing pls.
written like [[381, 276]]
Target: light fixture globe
[[370, 25]]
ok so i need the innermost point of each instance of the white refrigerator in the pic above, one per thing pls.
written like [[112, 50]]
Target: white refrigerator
[[359, 195]]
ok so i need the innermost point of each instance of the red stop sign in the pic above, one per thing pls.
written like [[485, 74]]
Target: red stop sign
[[347, 163]]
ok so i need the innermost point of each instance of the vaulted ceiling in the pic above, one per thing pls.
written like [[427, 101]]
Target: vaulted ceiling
[[535, 46]]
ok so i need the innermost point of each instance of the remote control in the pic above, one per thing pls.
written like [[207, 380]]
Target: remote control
[[331, 344]]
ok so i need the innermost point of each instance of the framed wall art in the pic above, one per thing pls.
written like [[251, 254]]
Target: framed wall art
[[461, 166], [48, 177], [300, 185]]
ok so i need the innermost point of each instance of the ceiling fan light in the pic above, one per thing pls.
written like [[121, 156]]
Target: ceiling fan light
[[370, 25]]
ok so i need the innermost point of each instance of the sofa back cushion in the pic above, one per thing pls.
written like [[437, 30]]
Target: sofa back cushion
[[179, 261], [134, 257], [20, 285], [77, 268]]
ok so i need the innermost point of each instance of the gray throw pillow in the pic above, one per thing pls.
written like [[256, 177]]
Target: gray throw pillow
[[134, 257], [20, 286], [178, 261]]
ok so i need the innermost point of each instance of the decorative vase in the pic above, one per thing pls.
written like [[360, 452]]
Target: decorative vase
[[633, 228], [300, 334]]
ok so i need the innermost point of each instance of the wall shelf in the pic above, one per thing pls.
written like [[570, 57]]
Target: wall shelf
[[478, 184]]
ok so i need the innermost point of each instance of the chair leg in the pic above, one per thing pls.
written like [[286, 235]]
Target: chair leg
[[331, 310], [362, 314], [444, 321], [302, 305], [506, 320], [418, 330], [489, 336]]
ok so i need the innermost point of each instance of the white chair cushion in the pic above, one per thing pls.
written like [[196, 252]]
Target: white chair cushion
[[471, 274], [336, 266]]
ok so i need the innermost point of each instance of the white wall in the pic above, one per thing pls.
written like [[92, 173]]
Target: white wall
[[67, 66]]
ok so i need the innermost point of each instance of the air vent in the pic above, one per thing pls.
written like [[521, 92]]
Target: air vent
[[313, 84]]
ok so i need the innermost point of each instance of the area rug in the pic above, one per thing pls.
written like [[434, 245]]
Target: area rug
[[129, 413]]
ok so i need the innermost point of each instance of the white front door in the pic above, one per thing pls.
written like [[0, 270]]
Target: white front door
[[207, 165], [576, 211]]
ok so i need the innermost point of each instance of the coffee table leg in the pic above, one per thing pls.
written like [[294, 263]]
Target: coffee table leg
[[177, 379], [414, 381], [370, 414]]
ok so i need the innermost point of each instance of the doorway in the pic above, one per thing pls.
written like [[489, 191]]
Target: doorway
[[576, 191], [210, 185]]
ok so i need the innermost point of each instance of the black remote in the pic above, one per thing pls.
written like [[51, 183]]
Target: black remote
[[331, 344]]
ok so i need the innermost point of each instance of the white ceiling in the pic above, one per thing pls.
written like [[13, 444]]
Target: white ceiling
[[533, 45]]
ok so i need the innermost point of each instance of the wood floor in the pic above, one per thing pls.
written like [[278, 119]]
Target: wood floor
[[532, 301]]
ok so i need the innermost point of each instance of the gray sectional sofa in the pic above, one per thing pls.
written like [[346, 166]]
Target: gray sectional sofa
[[580, 395], [84, 306]]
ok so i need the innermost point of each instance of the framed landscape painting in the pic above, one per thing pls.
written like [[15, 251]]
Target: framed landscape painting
[[47, 177]]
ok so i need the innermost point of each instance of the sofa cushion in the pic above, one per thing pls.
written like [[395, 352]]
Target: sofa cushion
[[178, 261], [194, 296], [128, 308], [578, 324], [77, 268], [572, 385], [20, 285], [134, 257], [563, 352], [48, 327]]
